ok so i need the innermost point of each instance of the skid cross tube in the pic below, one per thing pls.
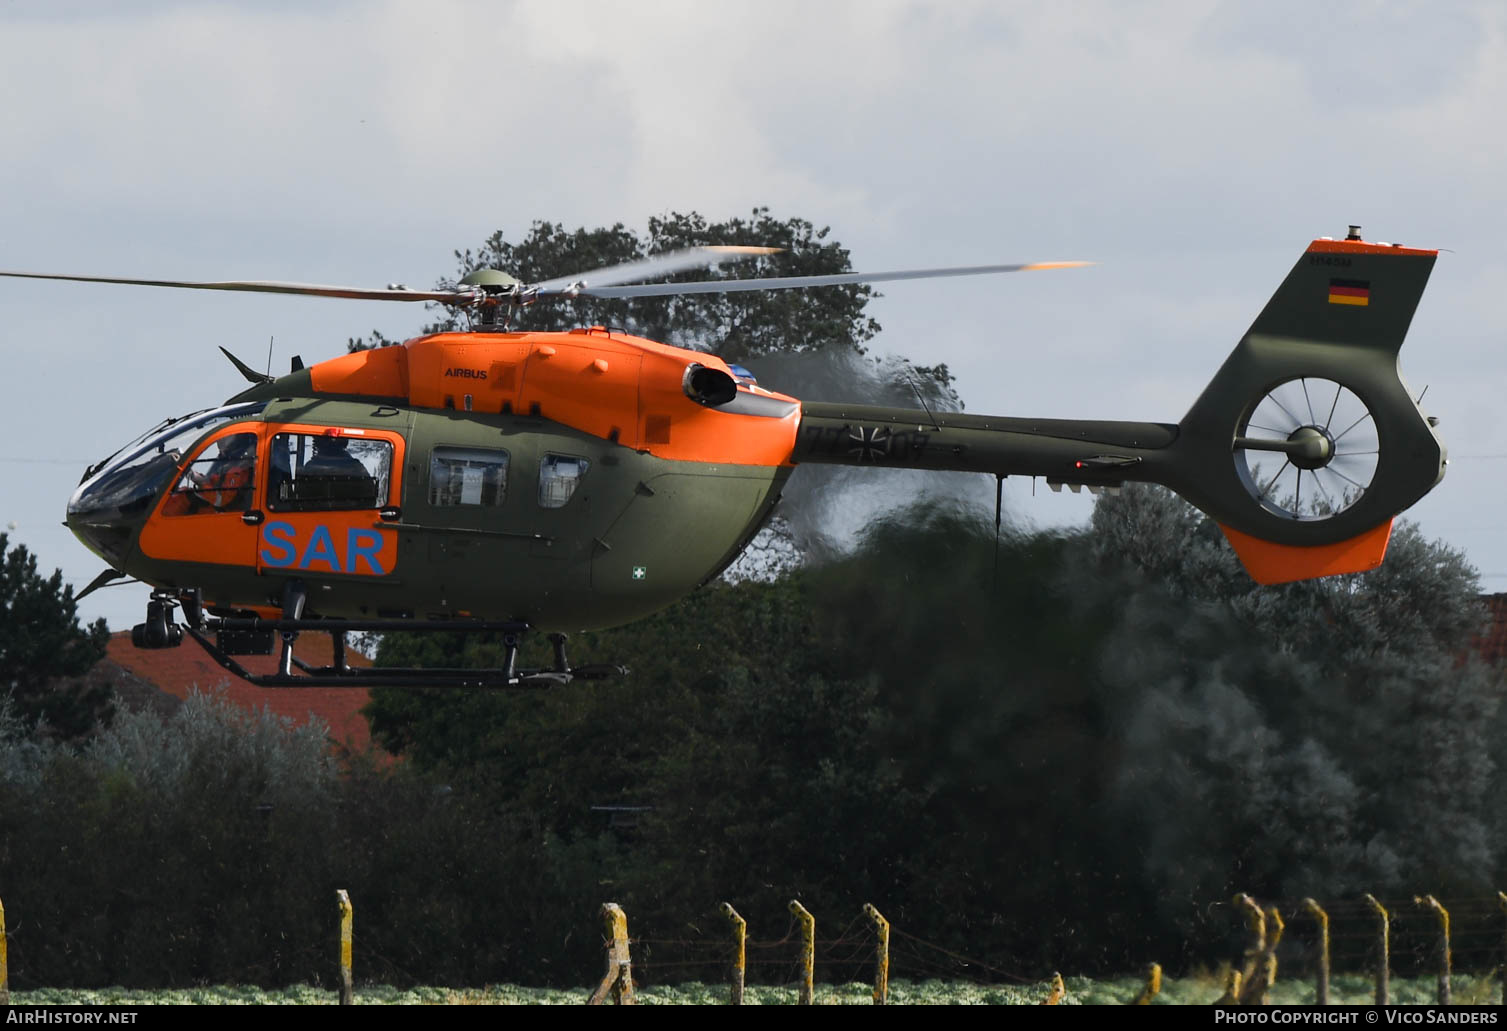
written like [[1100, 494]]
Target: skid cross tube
[[343, 675]]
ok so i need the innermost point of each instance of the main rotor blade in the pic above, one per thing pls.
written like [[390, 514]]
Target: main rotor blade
[[658, 265], [258, 287], [722, 286]]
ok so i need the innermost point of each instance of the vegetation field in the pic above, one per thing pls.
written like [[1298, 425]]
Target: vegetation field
[[1350, 989]]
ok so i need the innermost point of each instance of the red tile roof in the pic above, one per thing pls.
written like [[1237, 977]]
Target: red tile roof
[[1492, 646], [187, 668]]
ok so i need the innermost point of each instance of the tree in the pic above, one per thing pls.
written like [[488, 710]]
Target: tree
[[1097, 732], [1324, 736], [827, 327], [738, 326], [41, 642]]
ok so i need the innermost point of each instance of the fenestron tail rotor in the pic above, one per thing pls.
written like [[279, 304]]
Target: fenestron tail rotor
[[1308, 450]]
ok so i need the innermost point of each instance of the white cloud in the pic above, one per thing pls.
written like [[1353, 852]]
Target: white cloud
[[1191, 146]]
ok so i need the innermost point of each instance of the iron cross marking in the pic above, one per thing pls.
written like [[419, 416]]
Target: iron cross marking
[[869, 445]]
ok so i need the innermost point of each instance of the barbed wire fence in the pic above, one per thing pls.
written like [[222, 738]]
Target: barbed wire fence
[[1410, 936]]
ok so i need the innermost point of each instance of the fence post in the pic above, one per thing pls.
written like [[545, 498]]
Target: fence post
[[1384, 960], [4, 963], [1444, 959], [1259, 984], [740, 950], [1255, 922], [1502, 901], [1231, 996], [882, 963], [347, 916], [1321, 979], [618, 980], [1153, 985], [808, 951]]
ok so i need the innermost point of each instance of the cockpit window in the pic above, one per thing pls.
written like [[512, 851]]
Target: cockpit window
[[136, 474], [179, 434], [328, 472], [218, 480]]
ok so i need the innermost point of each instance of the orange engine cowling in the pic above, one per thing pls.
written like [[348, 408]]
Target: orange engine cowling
[[665, 400]]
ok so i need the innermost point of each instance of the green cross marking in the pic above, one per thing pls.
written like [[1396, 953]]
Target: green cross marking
[[639, 572]]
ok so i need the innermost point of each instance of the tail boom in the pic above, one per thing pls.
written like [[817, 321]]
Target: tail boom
[[1311, 398], [1091, 452]]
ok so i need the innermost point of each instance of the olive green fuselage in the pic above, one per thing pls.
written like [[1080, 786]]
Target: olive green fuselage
[[637, 533]]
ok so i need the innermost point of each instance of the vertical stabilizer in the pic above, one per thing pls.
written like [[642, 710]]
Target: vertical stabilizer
[[1307, 442]]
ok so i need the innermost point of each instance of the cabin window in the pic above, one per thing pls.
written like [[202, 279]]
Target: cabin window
[[559, 476], [467, 476], [219, 480], [327, 472]]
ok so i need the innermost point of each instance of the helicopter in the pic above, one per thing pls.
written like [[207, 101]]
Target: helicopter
[[514, 482]]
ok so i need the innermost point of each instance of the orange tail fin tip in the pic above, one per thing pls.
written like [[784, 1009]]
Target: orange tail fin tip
[[1270, 563]]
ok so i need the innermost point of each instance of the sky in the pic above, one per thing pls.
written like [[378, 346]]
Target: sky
[[1192, 149]]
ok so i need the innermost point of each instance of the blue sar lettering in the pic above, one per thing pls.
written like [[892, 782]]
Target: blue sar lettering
[[365, 545], [321, 549], [282, 549]]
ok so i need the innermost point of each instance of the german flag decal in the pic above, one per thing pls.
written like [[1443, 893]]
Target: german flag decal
[[1350, 291]]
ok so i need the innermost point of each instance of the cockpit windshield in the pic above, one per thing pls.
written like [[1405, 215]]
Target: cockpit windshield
[[136, 474]]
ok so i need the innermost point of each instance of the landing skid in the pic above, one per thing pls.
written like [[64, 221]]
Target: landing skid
[[223, 637]]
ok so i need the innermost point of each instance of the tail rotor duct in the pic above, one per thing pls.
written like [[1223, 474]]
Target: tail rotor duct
[[1308, 450]]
